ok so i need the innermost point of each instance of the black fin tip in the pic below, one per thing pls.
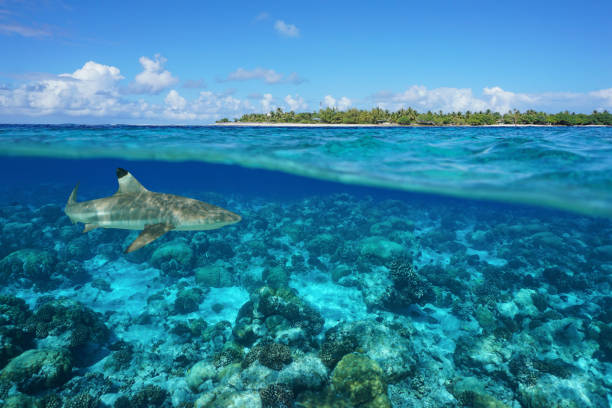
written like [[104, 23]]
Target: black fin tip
[[121, 172]]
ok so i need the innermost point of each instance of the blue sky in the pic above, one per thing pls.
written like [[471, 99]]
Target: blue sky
[[194, 62]]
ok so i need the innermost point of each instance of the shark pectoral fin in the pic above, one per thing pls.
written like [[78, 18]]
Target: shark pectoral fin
[[149, 234], [89, 227]]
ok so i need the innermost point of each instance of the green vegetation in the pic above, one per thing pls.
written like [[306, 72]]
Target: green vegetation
[[411, 117]]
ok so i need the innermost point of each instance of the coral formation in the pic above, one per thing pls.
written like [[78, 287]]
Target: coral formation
[[337, 344], [37, 370], [408, 287], [267, 303], [276, 396], [188, 300], [335, 301], [173, 258], [274, 355], [34, 266], [15, 335], [69, 324], [150, 396], [361, 380], [216, 275]]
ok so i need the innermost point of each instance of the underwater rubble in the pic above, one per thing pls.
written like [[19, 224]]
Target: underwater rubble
[[327, 301]]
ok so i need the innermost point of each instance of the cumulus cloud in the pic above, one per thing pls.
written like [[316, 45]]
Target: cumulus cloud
[[341, 104], [421, 98], [93, 91], [90, 90], [207, 106], [604, 96], [267, 103], [154, 78], [175, 102], [286, 30], [494, 98], [503, 101], [96, 76], [269, 76], [295, 102], [24, 31], [210, 103]]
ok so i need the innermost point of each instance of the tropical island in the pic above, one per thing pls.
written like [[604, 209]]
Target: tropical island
[[410, 117]]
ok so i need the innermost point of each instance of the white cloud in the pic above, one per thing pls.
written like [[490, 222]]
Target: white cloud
[[154, 78], [287, 30], [493, 98], [341, 104], [604, 96], [206, 107], [96, 76], [344, 103], [93, 91], [92, 94], [23, 31], [267, 103], [503, 101], [209, 103], [445, 99], [269, 76], [174, 101], [295, 102], [90, 90]]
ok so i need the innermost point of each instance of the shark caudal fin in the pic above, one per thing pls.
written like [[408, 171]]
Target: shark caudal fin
[[71, 201], [72, 197], [128, 183]]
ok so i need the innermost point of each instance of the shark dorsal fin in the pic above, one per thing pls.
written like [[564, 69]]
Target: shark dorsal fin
[[128, 183]]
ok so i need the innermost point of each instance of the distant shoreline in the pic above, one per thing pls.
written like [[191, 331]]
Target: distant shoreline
[[381, 125]]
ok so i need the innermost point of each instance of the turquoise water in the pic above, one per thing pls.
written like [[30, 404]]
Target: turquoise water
[[567, 168], [372, 267]]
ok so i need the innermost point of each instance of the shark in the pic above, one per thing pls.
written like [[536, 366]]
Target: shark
[[133, 207]]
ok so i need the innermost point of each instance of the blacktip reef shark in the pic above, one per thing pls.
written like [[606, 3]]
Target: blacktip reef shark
[[134, 207]]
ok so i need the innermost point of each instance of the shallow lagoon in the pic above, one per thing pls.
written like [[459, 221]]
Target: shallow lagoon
[[326, 294]]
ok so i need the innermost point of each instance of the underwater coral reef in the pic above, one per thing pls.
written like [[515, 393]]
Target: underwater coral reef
[[325, 301]]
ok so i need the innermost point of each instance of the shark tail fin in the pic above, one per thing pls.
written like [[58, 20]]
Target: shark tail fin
[[71, 201], [72, 198]]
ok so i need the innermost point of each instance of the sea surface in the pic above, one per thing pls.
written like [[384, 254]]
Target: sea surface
[[372, 267]]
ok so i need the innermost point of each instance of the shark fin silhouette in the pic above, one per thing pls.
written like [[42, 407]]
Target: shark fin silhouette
[[149, 234]]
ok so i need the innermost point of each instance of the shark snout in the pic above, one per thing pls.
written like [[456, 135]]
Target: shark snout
[[234, 218]]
